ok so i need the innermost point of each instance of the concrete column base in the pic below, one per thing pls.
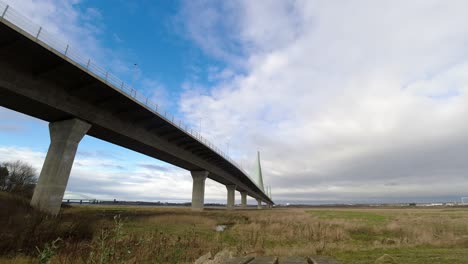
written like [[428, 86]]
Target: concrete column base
[[243, 200], [259, 204], [198, 190], [231, 196], [64, 139]]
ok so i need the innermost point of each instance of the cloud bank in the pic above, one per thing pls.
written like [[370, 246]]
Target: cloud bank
[[101, 175], [357, 100]]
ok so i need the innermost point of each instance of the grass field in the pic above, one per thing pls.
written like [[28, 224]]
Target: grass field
[[118, 234]]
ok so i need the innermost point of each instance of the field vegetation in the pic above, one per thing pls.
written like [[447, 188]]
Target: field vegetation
[[119, 234]]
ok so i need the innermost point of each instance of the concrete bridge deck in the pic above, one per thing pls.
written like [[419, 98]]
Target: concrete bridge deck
[[46, 82]]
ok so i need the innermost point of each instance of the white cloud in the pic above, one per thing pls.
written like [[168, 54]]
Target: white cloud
[[346, 95], [203, 16], [35, 158], [100, 176], [66, 22]]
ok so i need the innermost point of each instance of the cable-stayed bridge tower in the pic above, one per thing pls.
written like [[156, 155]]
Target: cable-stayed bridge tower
[[258, 172]]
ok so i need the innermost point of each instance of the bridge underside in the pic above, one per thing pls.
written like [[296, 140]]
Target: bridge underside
[[44, 84]]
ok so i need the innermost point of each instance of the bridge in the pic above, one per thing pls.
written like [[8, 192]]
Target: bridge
[[46, 78]]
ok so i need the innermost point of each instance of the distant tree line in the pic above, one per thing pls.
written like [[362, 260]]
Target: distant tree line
[[18, 177]]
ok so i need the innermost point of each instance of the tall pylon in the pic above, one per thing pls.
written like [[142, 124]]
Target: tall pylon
[[258, 171]]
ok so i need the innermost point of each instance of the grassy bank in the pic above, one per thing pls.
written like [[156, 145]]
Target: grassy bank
[[117, 234]]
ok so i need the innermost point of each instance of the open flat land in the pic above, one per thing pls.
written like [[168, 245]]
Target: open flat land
[[119, 234]]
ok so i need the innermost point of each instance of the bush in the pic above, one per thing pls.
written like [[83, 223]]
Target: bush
[[18, 177]]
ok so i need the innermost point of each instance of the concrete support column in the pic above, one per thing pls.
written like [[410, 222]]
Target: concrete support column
[[259, 204], [198, 191], [64, 139], [231, 196], [243, 199]]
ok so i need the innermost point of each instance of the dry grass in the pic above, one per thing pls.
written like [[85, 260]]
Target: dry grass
[[22, 229], [117, 234]]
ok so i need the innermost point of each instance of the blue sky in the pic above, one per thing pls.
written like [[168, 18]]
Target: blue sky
[[347, 101], [151, 35]]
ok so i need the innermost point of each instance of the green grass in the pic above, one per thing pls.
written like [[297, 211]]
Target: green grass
[[368, 217], [419, 255]]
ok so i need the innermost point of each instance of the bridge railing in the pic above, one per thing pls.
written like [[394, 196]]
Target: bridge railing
[[63, 49]]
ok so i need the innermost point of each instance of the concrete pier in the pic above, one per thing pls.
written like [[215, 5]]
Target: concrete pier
[[198, 190], [231, 196], [259, 204], [64, 139], [243, 199]]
